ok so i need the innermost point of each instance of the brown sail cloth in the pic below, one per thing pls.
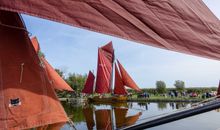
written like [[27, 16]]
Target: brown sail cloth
[[35, 43], [104, 70], [119, 85], [127, 80], [186, 26], [27, 99], [55, 79], [88, 87]]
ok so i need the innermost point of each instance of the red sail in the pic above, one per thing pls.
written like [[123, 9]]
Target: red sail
[[186, 26], [104, 70], [108, 51], [27, 99], [88, 87], [35, 43], [119, 85], [127, 79], [103, 119], [56, 80]]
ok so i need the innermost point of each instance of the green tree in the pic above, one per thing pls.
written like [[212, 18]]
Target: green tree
[[180, 85], [161, 87], [76, 81]]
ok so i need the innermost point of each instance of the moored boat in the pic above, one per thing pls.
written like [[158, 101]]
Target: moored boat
[[103, 83]]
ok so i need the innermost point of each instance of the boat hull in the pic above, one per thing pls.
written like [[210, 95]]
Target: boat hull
[[112, 99]]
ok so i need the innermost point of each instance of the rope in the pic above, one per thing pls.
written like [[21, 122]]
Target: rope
[[71, 124], [22, 70]]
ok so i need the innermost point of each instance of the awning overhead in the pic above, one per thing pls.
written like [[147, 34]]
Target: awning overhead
[[186, 26]]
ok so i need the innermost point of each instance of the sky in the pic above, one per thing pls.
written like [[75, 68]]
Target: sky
[[74, 50]]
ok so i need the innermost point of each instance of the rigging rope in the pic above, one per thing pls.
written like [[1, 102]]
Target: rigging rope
[[22, 71]]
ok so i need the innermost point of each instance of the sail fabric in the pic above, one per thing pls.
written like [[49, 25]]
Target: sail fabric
[[35, 43], [55, 79], [88, 114], [127, 80], [119, 85], [56, 126], [27, 99], [88, 87], [108, 51], [103, 76], [186, 26], [103, 119]]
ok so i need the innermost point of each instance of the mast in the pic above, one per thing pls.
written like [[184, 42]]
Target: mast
[[113, 73], [93, 88]]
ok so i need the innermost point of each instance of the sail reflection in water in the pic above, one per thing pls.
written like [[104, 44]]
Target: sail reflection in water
[[105, 119], [115, 115]]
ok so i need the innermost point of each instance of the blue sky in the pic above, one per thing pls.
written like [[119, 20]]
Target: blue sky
[[75, 50]]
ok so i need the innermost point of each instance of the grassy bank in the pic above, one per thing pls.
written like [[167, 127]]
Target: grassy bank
[[165, 99]]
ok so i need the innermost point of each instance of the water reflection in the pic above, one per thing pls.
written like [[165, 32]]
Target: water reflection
[[116, 115], [105, 119]]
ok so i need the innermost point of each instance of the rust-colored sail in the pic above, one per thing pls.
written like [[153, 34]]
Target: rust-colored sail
[[57, 81], [88, 114], [104, 70], [186, 26], [103, 119], [108, 51], [88, 87], [27, 99], [127, 79], [35, 43], [120, 116], [119, 85], [130, 120], [56, 126]]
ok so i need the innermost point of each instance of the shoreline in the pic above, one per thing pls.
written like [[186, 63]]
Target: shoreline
[[142, 100], [164, 100]]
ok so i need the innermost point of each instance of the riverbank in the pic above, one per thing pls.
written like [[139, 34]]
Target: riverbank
[[151, 99], [164, 100]]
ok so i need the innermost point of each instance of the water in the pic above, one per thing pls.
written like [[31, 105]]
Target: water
[[106, 116]]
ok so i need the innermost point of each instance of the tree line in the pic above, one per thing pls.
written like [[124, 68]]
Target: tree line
[[77, 81]]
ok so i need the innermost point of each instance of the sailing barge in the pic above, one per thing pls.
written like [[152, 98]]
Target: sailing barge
[[109, 74]]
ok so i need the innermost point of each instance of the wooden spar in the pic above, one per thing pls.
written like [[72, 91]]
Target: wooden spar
[[177, 116], [113, 73]]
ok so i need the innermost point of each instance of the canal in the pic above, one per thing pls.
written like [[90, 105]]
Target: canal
[[118, 115]]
